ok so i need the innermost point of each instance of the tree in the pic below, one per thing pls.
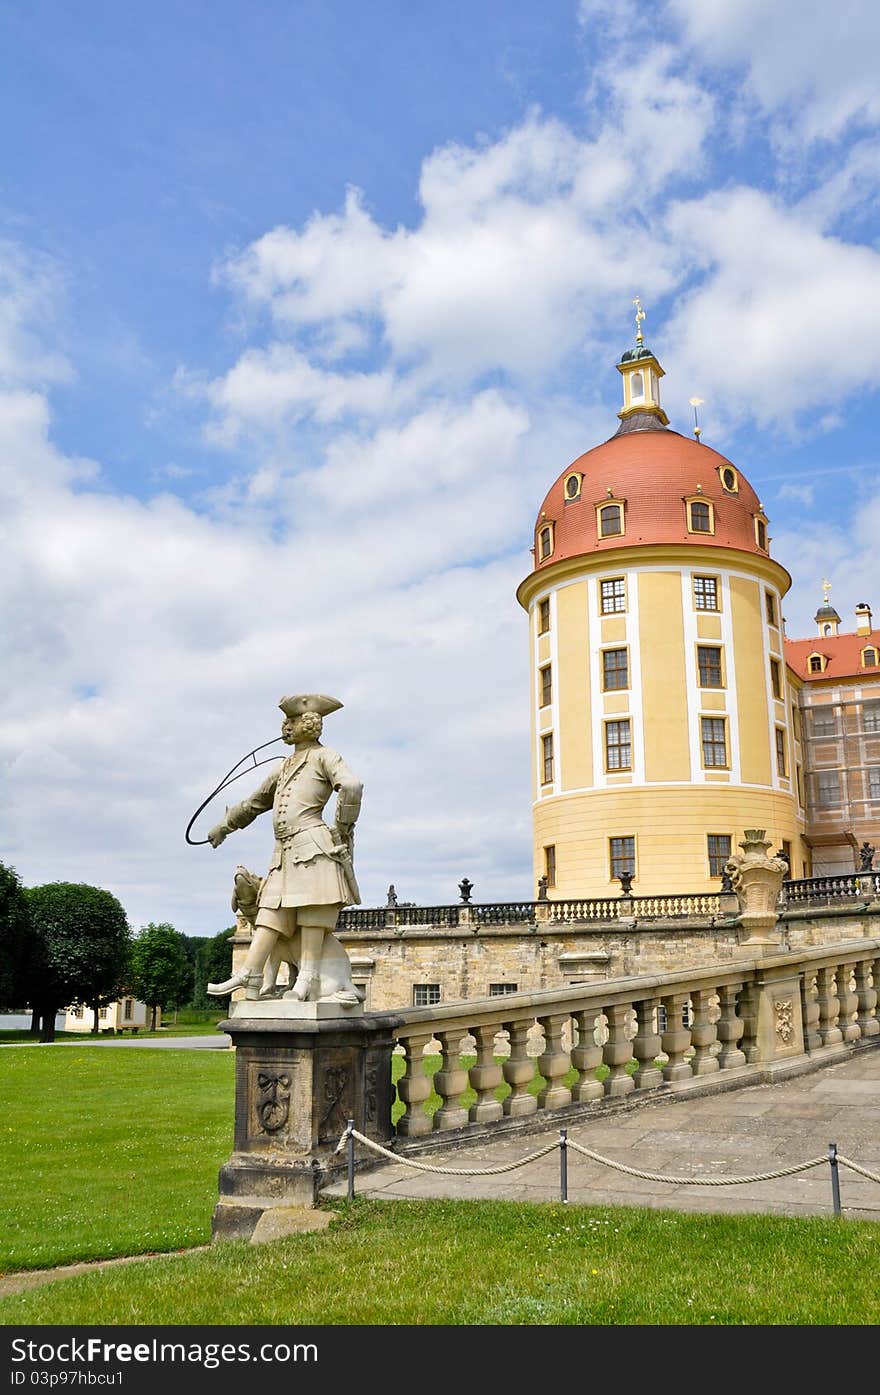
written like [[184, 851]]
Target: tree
[[213, 965], [81, 950], [161, 973], [16, 939]]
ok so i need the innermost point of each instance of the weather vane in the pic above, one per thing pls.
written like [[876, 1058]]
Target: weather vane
[[640, 315], [826, 587]]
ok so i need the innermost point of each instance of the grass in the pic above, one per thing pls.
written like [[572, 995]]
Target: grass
[[493, 1263], [107, 1152]]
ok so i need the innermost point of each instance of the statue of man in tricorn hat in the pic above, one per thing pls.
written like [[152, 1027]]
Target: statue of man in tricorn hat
[[295, 907]]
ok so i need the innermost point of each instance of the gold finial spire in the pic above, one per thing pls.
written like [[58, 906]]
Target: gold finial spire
[[826, 587], [640, 315], [695, 403]]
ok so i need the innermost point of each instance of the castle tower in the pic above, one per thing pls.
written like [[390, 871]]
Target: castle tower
[[661, 715]]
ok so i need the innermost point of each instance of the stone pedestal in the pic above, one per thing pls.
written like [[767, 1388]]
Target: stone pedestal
[[299, 1078], [757, 883]]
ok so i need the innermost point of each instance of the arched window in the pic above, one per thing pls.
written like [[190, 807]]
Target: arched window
[[700, 516], [545, 543], [637, 385], [610, 520], [869, 657]]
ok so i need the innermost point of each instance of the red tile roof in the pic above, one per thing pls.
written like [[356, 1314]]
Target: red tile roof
[[843, 652], [654, 472]]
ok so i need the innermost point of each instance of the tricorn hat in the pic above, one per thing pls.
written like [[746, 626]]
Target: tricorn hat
[[308, 702]]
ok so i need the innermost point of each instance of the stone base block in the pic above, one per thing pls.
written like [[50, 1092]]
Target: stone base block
[[284, 1010], [258, 1220]]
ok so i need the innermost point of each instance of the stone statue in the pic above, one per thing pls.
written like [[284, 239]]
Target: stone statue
[[866, 853], [294, 908], [465, 887], [392, 896]]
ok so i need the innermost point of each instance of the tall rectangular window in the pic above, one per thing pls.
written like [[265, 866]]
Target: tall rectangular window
[[546, 686], [780, 751], [128, 1014], [709, 664], [827, 789], [776, 678], [713, 732], [800, 784], [871, 716], [874, 783], [615, 669], [824, 721], [550, 864], [425, 994], [618, 745], [701, 518], [770, 607], [622, 855], [706, 592], [546, 542], [718, 845], [547, 758], [613, 595], [543, 616]]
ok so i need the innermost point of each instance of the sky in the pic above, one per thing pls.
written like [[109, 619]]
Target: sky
[[303, 308]]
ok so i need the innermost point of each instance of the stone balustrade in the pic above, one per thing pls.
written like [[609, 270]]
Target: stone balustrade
[[712, 1027]]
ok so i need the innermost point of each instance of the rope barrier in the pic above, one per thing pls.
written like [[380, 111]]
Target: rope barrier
[[696, 1181], [862, 1171], [449, 1171]]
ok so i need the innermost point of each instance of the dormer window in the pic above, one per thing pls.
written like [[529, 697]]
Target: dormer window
[[761, 532], [700, 515], [869, 657], [610, 518], [816, 663], [729, 479], [572, 487], [545, 542]]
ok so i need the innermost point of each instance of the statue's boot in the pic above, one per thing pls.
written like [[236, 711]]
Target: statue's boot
[[251, 980]]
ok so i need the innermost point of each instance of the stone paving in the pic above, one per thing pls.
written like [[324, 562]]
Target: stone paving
[[755, 1129]]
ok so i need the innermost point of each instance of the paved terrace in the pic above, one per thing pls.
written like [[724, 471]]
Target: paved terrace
[[758, 1128]]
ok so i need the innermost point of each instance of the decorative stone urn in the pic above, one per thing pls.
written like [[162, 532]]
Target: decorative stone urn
[[757, 882]]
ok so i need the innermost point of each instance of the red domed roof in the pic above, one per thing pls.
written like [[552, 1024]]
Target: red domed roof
[[654, 471]]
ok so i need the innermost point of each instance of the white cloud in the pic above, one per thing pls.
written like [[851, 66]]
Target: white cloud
[[800, 494]]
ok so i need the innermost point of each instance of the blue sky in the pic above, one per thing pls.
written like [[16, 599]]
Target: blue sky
[[302, 309]]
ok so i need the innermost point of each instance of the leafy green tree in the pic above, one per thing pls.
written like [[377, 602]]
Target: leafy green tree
[[161, 974], [16, 939], [213, 965], [81, 950]]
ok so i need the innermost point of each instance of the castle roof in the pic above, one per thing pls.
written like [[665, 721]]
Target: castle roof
[[842, 655]]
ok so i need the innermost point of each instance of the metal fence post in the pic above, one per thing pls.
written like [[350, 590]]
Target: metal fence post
[[349, 1151], [835, 1177], [563, 1164]]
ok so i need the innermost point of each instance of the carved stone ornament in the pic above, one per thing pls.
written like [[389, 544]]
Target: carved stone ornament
[[273, 1108], [757, 881], [784, 1010]]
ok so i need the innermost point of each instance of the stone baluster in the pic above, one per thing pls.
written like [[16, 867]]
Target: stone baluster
[[867, 996], [729, 1028], [519, 1071], [704, 1033], [554, 1062], [810, 1010], [414, 1087], [450, 1082], [829, 1008], [849, 1002], [617, 1051], [587, 1056], [747, 1009], [485, 1077], [676, 1039], [646, 1045]]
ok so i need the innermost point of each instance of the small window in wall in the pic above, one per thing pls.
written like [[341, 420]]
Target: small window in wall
[[874, 783], [615, 669], [713, 734], [800, 784], [770, 607], [128, 1011], [869, 657], [706, 592], [102, 1014], [613, 595], [709, 665], [796, 721], [546, 685], [622, 855], [729, 479], [610, 517], [618, 745], [817, 663], [572, 487], [500, 990], [823, 721], [761, 533], [547, 758], [827, 789], [700, 518], [780, 751], [550, 864], [425, 994], [718, 846], [776, 677], [545, 543], [785, 854], [543, 616], [871, 716]]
